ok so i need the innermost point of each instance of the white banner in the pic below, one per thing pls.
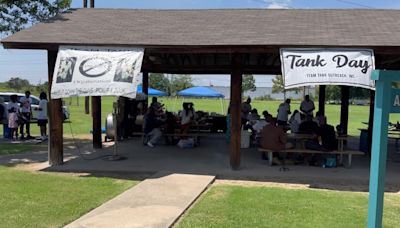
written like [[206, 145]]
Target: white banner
[[313, 66], [96, 71]]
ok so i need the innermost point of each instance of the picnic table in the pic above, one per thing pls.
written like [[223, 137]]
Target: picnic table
[[304, 137]]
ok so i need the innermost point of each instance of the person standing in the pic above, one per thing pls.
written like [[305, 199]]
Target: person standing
[[42, 116], [13, 111], [4, 117], [283, 112], [245, 109], [26, 113], [307, 106]]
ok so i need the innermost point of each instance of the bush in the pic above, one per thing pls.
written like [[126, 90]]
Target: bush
[[264, 98]]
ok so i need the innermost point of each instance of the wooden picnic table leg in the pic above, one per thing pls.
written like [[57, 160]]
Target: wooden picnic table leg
[[341, 158], [349, 160], [270, 157]]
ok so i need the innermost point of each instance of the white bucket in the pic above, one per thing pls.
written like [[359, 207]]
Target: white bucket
[[245, 139]]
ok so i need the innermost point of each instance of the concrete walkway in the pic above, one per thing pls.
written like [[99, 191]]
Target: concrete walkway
[[156, 202]]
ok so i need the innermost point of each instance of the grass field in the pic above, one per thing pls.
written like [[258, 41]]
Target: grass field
[[11, 148], [30, 199], [81, 123], [240, 206]]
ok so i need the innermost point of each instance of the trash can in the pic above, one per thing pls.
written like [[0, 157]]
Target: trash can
[[364, 141]]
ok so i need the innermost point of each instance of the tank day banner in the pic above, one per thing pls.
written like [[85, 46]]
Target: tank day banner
[[96, 71], [314, 66]]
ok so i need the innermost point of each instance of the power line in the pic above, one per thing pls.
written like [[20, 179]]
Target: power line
[[355, 4]]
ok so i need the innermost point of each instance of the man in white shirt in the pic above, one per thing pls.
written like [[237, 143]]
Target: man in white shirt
[[26, 112], [42, 115], [283, 112], [307, 106]]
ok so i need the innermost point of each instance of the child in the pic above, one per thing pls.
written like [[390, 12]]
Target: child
[[13, 123]]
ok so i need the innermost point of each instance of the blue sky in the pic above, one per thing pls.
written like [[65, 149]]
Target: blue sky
[[32, 65]]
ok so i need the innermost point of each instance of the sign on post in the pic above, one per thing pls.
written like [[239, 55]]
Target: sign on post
[[96, 71], [314, 66], [395, 102]]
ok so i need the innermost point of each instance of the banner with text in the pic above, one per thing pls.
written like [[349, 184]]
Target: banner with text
[[96, 71], [314, 66]]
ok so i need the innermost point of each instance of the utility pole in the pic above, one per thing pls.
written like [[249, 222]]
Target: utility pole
[[87, 111]]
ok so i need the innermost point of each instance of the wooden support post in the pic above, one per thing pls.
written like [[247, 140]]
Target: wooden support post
[[235, 111], [85, 4], [55, 149], [371, 120], [91, 3], [321, 99], [344, 108], [96, 115], [145, 88]]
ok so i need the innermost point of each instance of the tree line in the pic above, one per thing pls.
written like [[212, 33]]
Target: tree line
[[19, 85], [175, 83]]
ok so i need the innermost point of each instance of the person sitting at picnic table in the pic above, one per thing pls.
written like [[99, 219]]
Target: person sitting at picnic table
[[307, 106], [283, 112], [324, 140], [187, 117], [295, 121], [259, 125], [156, 105], [308, 126], [327, 134], [252, 119], [152, 125], [274, 138], [245, 109], [318, 117]]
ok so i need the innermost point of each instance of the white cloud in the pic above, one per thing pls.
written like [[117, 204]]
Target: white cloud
[[278, 4]]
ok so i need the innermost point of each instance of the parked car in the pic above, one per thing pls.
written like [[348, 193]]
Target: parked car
[[35, 103]]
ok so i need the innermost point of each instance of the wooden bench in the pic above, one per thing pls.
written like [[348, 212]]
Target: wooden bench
[[350, 153]]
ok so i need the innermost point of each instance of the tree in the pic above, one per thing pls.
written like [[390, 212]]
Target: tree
[[43, 87], [18, 84], [333, 92], [180, 82], [16, 15], [278, 85], [159, 81], [248, 83], [359, 93]]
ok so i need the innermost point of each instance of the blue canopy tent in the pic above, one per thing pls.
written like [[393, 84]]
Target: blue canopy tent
[[152, 92], [202, 91]]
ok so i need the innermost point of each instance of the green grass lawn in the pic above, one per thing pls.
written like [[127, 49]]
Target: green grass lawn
[[30, 199], [239, 206], [81, 123], [12, 148]]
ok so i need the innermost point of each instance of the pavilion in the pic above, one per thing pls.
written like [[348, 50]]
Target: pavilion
[[224, 41]]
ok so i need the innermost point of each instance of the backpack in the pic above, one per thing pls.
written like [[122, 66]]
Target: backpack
[[330, 162]]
